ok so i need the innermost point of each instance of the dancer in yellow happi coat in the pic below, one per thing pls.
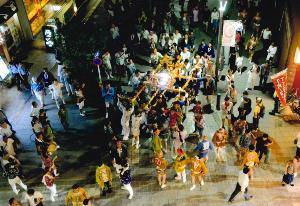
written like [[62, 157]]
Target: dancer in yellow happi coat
[[180, 163]]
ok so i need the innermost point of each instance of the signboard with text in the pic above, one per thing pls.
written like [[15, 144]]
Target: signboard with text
[[280, 84]]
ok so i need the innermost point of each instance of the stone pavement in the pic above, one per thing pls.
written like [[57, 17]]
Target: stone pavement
[[81, 147]]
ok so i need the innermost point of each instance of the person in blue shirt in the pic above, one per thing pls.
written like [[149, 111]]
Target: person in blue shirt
[[203, 147], [38, 89], [13, 68], [210, 51], [108, 93]]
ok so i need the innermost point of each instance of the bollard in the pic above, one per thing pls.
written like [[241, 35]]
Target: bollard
[[218, 102]]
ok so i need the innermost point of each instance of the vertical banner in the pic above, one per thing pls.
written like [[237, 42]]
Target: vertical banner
[[229, 32], [280, 84]]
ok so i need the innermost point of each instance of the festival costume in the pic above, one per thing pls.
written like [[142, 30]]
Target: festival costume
[[135, 129], [197, 167], [219, 140], [179, 167], [161, 165], [76, 197], [250, 159], [48, 180], [104, 178], [156, 145], [125, 120]]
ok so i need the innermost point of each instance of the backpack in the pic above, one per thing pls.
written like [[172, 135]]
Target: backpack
[[262, 111]]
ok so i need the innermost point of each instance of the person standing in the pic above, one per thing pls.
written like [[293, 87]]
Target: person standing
[[180, 163], [156, 142], [136, 121], [38, 89], [276, 104], [219, 140], [67, 81], [262, 147], [108, 93], [125, 120], [34, 198], [245, 106], [14, 202], [55, 87], [104, 178], [119, 155], [161, 169], [265, 70], [80, 98], [107, 64], [63, 116], [288, 176], [244, 143], [76, 196], [203, 148], [250, 160], [214, 19], [226, 108], [259, 112], [49, 181], [272, 50], [13, 68], [179, 137], [198, 170], [23, 73], [241, 185], [47, 78], [252, 76], [266, 37]]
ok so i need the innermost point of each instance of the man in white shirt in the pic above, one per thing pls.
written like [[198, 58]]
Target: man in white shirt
[[241, 185], [177, 36], [34, 198], [185, 54], [55, 87], [272, 50], [266, 36]]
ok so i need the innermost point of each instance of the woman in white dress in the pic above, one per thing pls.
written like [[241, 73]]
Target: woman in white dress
[[253, 72]]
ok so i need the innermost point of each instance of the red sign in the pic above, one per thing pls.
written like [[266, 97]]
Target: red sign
[[280, 84]]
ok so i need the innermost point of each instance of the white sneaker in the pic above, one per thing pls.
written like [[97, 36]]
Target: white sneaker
[[123, 188], [17, 191], [163, 186], [125, 138], [106, 115], [201, 182], [56, 175], [52, 199], [137, 146], [193, 187], [130, 197]]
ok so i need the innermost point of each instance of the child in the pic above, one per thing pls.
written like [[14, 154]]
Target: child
[[126, 178], [34, 109], [288, 176], [63, 116], [161, 169], [80, 99], [180, 164]]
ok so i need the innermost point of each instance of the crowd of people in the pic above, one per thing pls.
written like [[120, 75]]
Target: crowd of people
[[152, 111]]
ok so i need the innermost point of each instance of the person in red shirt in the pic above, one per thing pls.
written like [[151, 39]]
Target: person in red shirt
[[49, 182]]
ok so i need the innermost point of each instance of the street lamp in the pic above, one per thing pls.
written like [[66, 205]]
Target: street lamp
[[222, 8]]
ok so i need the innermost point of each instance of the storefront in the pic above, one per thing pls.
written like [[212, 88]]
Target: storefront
[[40, 11], [10, 30]]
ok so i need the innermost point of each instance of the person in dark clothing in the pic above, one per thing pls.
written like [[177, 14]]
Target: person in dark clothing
[[276, 104], [264, 75], [47, 78], [245, 107], [202, 49], [262, 147], [119, 155]]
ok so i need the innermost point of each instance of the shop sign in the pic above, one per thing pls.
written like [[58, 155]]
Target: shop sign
[[7, 10], [48, 33], [280, 84]]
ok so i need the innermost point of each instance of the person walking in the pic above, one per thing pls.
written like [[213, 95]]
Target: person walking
[[259, 112], [80, 98], [108, 93], [136, 121], [125, 178], [226, 108], [49, 181], [180, 163], [12, 172], [47, 78], [23, 75], [76, 196], [63, 116], [219, 140], [104, 178], [179, 137], [203, 148], [55, 88], [38, 89], [241, 185], [125, 120], [13, 68], [250, 160]]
